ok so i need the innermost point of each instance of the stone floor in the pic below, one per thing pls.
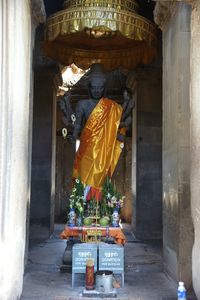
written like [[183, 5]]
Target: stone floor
[[144, 277]]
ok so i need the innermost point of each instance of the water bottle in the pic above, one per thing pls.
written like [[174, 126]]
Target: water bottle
[[181, 293]]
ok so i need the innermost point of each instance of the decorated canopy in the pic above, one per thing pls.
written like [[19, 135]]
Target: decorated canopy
[[109, 32]]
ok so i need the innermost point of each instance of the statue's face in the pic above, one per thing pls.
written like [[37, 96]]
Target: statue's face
[[96, 88]]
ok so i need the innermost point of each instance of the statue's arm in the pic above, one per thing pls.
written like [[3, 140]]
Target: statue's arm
[[126, 119], [129, 105], [65, 107], [126, 123], [79, 113]]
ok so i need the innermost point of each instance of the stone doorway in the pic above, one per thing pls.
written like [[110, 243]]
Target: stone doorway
[[148, 215], [180, 155]]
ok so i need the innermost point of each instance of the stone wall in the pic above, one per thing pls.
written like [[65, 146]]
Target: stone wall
[[65, 153], [195, 142], [177, 224], [46, 81], [148, 200], [122, 178], [16, 42]]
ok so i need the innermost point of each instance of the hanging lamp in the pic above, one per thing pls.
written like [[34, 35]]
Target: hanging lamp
[[108, 32]]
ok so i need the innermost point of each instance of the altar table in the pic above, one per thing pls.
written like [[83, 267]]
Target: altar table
[[114, 232]]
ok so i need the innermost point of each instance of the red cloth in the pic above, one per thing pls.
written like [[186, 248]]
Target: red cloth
[[94, 193], [115, 232]]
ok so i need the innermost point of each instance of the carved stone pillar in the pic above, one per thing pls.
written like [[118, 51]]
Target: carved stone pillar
[[173, 17], [16, 46], [195, 142]]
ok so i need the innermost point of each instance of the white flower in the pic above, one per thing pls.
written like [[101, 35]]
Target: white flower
[[74, 190], [122, 145], [77, 181], [113, 198], [108, 195]]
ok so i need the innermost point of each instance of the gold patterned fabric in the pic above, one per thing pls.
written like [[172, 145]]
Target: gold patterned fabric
[[129, 5], [130, 25], [99, 149], [109, 32]]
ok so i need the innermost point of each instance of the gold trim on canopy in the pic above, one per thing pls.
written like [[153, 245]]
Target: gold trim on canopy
[[129, 5], [128, 24], [127, 58], [109, 32]]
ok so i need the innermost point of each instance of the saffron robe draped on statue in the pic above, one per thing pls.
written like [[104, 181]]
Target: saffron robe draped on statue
[[99, 148]]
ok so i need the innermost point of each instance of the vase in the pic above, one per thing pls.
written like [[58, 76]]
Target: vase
[[71, 217], [115, 218], [79, 220]]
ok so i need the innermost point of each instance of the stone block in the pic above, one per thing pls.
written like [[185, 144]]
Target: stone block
[[153, 119], [149, 134], [149, 153], [149, 209], [149, 170]]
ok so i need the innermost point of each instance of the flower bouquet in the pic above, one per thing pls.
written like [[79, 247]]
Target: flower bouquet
[[93, 206], [112, 201], [77, 201]]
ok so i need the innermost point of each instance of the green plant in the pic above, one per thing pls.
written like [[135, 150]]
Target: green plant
[[112, 198], [76, 199]]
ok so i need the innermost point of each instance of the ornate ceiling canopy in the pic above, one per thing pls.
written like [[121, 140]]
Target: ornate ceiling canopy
[[109, 32]]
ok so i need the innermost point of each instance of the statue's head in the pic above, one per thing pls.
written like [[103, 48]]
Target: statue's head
[[96, 81]]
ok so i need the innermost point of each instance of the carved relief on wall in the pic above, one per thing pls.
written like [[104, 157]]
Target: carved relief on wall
[[163, 12], [38, 11]]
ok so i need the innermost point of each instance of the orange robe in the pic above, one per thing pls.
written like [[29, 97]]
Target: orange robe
[[99, 149]]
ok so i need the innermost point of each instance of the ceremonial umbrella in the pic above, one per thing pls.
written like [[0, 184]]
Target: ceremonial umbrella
[[109, 32]]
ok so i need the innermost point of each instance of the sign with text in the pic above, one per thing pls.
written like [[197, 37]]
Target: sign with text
[[80, 254], [111, 257]]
